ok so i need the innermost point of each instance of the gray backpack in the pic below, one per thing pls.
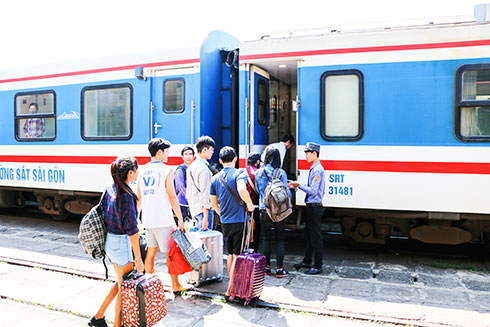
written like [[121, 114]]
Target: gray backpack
[[276, 198]]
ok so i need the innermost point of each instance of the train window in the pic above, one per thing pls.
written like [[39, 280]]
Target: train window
[[262, 102], [472, 112], [107, 112], [35, 116], [174, 96], [342, 105]]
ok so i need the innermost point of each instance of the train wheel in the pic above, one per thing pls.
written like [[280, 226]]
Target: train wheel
[[485, 237], [363, 234], [64, 215]]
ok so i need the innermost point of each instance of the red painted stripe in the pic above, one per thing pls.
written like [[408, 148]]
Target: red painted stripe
[[403, 166], [92, 160], [101, 70], [343, 165], [242, 163], [402, 47]]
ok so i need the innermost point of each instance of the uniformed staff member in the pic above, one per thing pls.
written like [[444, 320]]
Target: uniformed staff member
[[315, 190]]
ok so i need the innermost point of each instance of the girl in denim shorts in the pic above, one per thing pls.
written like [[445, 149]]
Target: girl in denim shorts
[[120, 214]]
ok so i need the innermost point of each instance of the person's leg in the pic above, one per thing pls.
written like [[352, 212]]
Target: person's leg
[[152, 243], [185, 212], [316, 236], [150, 259], [266, 225], [280, 242], [108, 299], [231, 270], [255, 245], [120, 272], [308, 226], [176, 285]]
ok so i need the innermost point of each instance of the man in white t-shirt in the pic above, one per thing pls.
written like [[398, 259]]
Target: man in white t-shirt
[[156, 192], [283, 146]]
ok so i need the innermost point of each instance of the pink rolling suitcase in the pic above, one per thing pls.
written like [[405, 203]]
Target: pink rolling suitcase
[[249, 273], [249, 276], [143, 300]]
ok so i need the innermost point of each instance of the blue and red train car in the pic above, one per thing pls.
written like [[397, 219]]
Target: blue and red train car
[[402, 115]]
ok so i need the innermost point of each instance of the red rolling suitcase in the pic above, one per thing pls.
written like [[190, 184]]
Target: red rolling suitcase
[[143, 300], [249, 276]]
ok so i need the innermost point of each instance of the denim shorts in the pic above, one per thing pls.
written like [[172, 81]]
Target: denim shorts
[[118, 249]]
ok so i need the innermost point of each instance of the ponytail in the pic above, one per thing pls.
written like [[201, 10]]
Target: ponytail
[[119, 171]]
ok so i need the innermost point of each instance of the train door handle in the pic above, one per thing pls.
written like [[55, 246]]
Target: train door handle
[[156, 126]]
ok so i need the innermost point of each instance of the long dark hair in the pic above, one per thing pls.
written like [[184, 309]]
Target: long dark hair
[[272, 157], [119, 171]]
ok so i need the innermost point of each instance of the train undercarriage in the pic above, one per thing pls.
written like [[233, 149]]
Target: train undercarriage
[[60, 205], [362, 228], [367, 229]]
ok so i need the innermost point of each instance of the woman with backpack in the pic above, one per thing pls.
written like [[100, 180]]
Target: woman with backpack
[[263, 177], [120, 214]]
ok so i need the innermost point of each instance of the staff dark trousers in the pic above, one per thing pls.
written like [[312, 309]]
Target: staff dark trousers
[[257, 231], [313, 235], [267, 224]]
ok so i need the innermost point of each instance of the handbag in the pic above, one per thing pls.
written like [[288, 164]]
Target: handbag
[[176, 264], [195, 252]]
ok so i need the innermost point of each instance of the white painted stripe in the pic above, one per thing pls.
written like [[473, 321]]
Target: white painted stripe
[[97, 77], [85, 150]]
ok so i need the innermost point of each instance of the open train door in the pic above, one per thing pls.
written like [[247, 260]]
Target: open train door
[[259, 109]]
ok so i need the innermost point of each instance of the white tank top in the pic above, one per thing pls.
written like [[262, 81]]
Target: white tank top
[[156, 210]]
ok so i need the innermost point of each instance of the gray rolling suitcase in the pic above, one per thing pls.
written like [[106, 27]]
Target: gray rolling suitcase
[[213, 270]]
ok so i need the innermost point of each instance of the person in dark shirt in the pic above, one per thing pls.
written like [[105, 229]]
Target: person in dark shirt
[[253, 163], [122, 240], [262, 178], [232, 213], [180, 179]]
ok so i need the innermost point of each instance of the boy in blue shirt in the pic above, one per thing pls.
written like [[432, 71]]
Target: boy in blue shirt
[[232, 212]]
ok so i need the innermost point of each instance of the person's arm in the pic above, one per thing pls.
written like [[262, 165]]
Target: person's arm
[[135, 244], [204, 182], [138, 192], [314, 187], [174, 201], [284, 180], [241, 186], [215, 204], [130, 225]]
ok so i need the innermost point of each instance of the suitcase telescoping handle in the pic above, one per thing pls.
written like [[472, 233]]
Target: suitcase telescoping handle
[[245, 235], [245, 238]]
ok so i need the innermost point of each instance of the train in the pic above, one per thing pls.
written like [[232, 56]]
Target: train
[[402, 115]]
